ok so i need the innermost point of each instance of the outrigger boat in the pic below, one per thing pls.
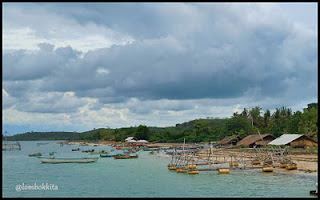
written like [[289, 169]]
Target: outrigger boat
[[68, 160]]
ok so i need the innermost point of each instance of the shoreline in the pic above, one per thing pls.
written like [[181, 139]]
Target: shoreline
[[307, 163]]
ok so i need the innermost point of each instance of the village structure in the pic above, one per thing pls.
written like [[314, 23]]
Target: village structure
[[263, 151]]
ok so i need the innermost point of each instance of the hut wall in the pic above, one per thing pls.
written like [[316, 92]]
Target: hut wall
[[303, 142]]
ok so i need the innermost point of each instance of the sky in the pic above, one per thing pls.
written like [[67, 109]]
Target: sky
[[80, 66]]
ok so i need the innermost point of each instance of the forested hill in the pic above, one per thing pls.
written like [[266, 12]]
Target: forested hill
[[29, 136], [248, 122]]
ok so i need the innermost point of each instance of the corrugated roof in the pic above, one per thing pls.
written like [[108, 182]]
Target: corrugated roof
[[285, 139]]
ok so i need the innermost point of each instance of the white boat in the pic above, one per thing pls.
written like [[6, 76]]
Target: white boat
[[68, 160]]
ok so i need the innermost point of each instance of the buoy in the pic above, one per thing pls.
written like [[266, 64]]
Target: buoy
[[192, 166], [172, 168], [224, 171], [255, 162], [291, 167], [267, 169], [181, 170], [193, 172]]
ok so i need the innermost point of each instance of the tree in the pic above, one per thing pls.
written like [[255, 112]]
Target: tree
[[142, 132]]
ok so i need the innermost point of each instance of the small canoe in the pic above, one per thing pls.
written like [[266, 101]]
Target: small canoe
[[68, 160], [78, 149]]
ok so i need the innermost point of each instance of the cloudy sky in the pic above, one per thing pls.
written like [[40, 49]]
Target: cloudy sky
[[79, 66]]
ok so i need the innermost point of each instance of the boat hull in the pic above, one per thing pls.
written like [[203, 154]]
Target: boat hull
[[54, 160]]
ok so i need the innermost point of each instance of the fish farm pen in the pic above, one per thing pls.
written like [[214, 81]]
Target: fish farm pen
[[11, 146], [226, 159]]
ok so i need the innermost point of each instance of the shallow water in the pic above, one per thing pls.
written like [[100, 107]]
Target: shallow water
[[146, 176]]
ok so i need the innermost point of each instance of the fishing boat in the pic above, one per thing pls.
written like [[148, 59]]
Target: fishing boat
[[77, 149], [87, 151], [68, 160], [109, 155], [125, 157], [38, 154], [314, 192], [99, 152]]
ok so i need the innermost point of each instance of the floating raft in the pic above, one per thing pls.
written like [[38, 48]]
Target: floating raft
[[172, 168], [224, 171], [181, 170], [192, 166], [291, 166], [193, 172], [267, 169]]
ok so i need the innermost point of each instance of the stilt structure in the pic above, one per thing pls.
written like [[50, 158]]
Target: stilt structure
[[211, 159]]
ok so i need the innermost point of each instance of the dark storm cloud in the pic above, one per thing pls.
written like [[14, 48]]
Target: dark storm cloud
[[181, 51]]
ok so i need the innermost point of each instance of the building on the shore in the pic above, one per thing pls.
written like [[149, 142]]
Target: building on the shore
[[130, 139], [256, 140], [230, 140], [294, 140]]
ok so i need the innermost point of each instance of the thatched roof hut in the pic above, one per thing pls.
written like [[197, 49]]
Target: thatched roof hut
[[294, 140], [255, 140], [234, 139]]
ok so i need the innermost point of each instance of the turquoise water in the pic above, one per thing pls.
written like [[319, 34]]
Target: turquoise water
[[146, 176]]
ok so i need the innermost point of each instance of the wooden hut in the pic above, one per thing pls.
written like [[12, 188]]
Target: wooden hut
[[256, 140], [230, 140], [294, 140]]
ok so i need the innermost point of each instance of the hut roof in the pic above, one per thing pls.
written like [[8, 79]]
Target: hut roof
[[226, 140], [287, 138], [130, 138], [250, 139]]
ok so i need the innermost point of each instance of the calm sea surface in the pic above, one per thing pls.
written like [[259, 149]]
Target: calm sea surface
[[146, 176]]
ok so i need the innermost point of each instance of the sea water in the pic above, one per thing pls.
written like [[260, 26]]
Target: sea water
[[146, 176]]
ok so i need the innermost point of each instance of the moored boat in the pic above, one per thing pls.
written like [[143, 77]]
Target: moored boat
[[125, 157], [68, 160], [38, 154], [77, 149], [109, 155], [92, 153]]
